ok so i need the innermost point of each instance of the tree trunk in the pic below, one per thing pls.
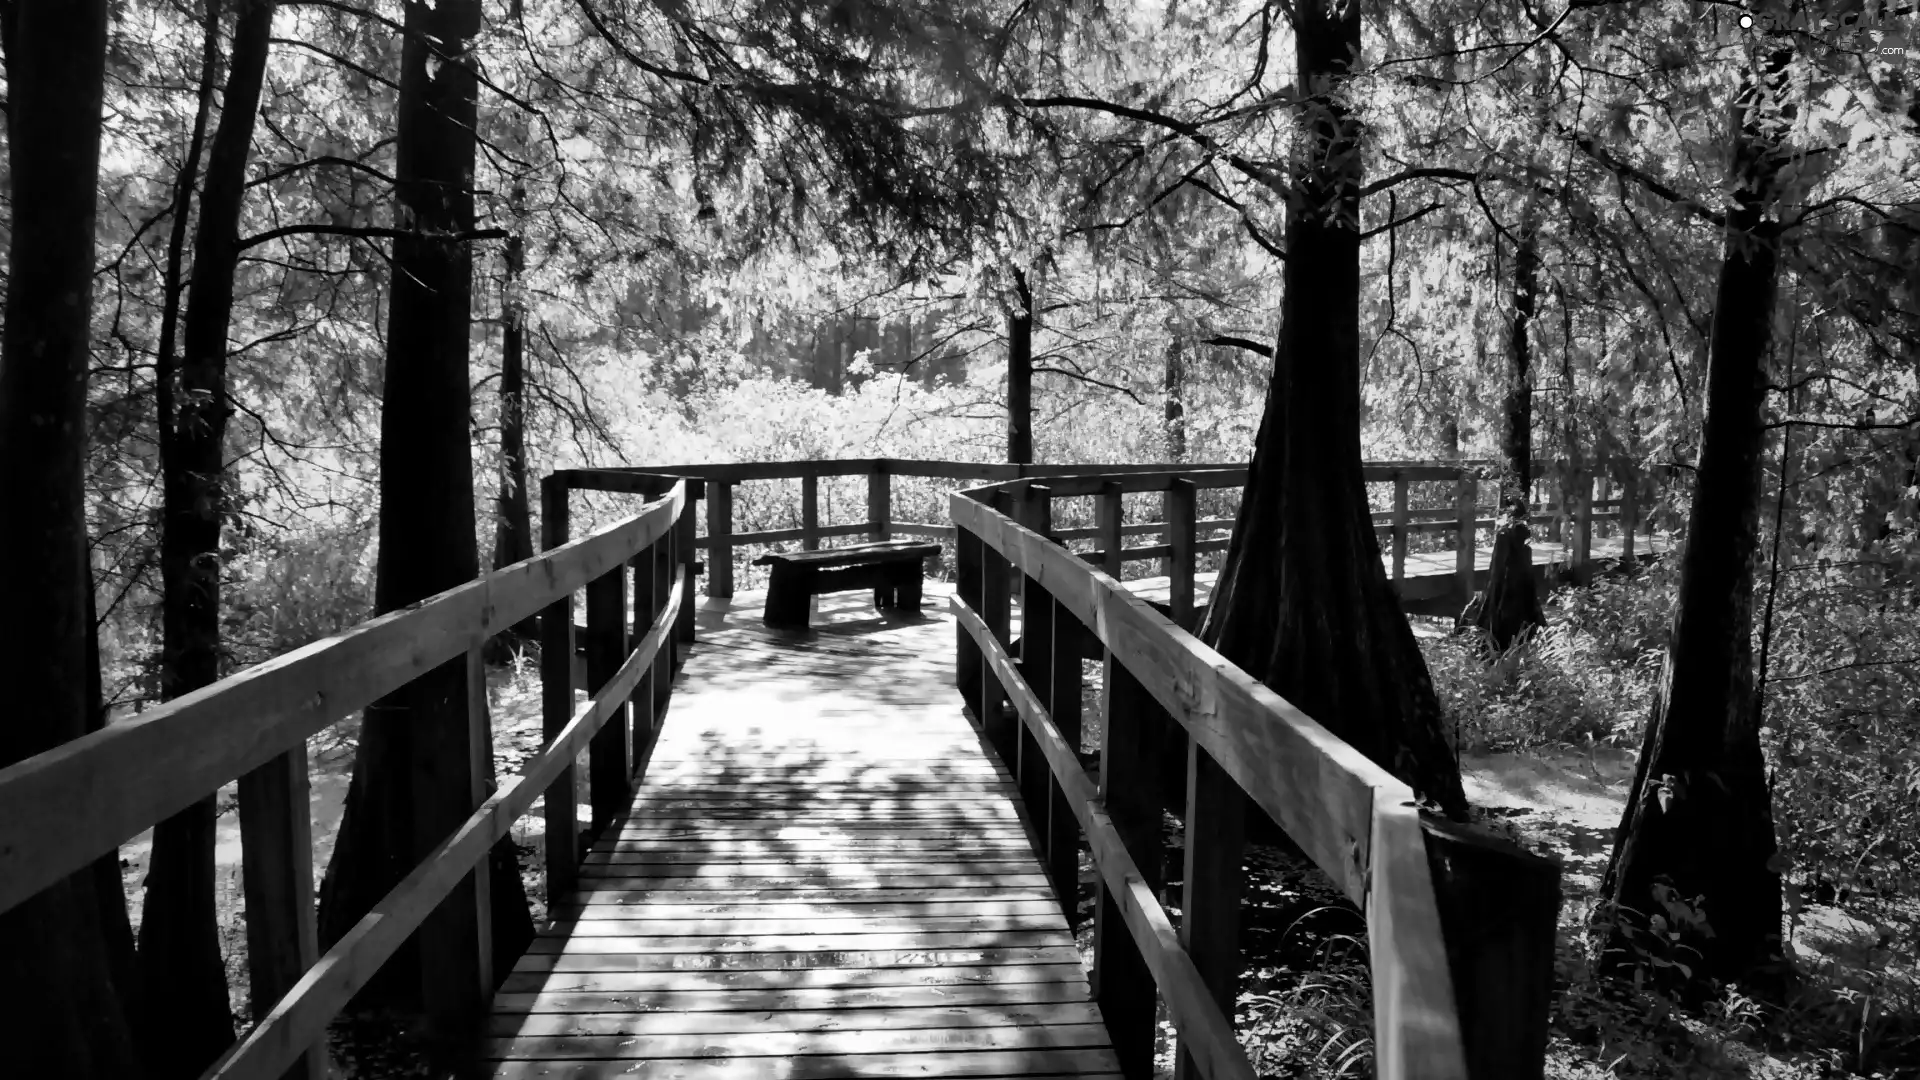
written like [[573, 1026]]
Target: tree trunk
[[57, 972], [513, 518], [407, 770], [513, 537], [1020, 374], [1697, 836], [1304, 603], [187, 1020], [1510, 604], [1517, 436], [1176, 385]]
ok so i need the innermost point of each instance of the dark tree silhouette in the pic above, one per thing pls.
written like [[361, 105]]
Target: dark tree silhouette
[[186, 1021], [413, 744], [1303, 602], [1696, 844], [66, 945]]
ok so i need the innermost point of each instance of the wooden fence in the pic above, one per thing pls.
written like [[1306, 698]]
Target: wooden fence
[[61, 809], [1460, 926], [1569, 501]]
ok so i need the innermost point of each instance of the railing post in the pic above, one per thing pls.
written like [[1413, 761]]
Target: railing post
[[451, 763], [1499, 906], [276, 842], [1109, 514], [967, 578], [1399, 527], [996, 583], [1213, 881], [1583, 523], [1037, 641], [1557, 501], [1629, 512], [1465, 534], [1181, 503], [810, 512], [556, 699], [666, 564], [646, 605], [720, 538], [879, 501], [688, 553], [608, 774], [1129, 785], [1063, 828]]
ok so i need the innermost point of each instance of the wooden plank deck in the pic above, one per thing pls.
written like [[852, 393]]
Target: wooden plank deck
[[824, 874]]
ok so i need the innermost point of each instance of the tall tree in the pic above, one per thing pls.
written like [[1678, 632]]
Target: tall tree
[[513, 516], [1303, 602], [1020, 373], [413, 749], [186, 1019], [1696, 843], [1176, 388], [57, 972], [1510, 603]]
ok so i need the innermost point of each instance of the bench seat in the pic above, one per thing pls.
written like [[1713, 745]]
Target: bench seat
[[891, 568]]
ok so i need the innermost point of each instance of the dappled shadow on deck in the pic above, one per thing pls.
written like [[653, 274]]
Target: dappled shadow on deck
[[823, 875]]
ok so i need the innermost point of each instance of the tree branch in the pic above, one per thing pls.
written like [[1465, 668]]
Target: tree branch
[[1433, 173], [1090, 380], [1260, 174], [1239, 343], [365, 232]]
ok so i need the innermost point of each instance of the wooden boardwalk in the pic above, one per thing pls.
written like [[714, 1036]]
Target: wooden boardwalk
[[824, 875]]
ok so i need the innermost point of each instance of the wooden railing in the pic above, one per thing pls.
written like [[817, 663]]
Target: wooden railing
[[1469, 517], [62, 809], [1460, 926]]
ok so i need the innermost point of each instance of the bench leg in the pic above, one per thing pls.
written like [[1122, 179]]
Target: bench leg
[[908, 591], [787, 596]]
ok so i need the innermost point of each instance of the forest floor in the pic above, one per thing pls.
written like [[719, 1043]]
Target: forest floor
[[1304, 1009]]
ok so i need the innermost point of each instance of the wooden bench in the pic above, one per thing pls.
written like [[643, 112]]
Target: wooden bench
[[892, 569]]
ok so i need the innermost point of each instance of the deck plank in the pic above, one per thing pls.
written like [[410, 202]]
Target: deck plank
[[824, 875]]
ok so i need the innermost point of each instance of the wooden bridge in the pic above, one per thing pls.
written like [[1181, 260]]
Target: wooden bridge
[[849, 852]]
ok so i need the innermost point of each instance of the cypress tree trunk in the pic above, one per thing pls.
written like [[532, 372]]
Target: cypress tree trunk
[[1176, 386], [513, 535], [57, 972], [1303, 602], [1020, 374], [513, 518], [412, 741], [187, 1020], [1698, 826], [1510, 604]]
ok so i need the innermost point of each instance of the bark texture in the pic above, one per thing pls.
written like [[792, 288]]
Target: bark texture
[[1176, 388], [513, 532], [513, 517], [1696, 846], [1020, 374], [187, 1021], [1303, 603], [413, 744], [57, 973], [1510, 604]]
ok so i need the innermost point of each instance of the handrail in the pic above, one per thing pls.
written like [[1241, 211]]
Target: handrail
[[135, 772], [1195, 1015], [300, 1018], [255, 725], [1356, 821]]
